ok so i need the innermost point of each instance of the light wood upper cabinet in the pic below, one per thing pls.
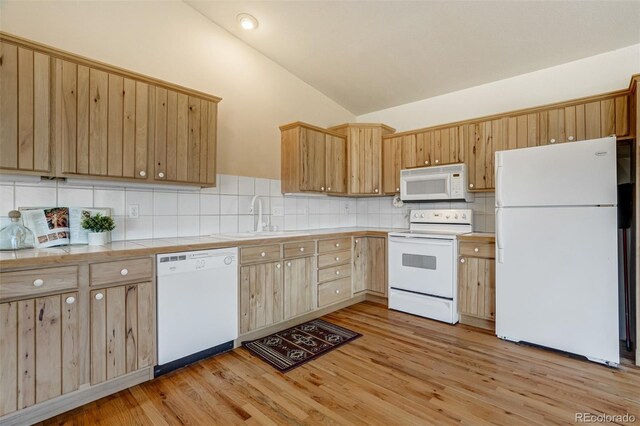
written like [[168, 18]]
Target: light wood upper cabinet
[[483, 140], [364, 156], [24, 110], [392, 164], [39, 349], [313, 160], [122, 329], [261, 295], [369, 265]]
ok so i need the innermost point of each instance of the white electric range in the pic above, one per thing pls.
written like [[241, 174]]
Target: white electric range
[[423, 273]]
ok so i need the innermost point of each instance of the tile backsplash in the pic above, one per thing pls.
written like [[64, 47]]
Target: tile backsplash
[[166, 213]]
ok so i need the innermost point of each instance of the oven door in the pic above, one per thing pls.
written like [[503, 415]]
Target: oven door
[[425, 187], [422, 265]]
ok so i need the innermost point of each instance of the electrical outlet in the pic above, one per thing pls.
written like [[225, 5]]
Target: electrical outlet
[[134, 211], [277, 212], [345, 208]]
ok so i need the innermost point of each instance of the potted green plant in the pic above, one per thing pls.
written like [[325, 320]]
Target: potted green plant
[[99, 228]]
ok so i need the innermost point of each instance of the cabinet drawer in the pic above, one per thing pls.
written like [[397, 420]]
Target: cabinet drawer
[[37, 281], [334, 291], [331, 259], [328, 274], [336, 244], [121, 271], [301, 248], [259, 254], [486, 250]]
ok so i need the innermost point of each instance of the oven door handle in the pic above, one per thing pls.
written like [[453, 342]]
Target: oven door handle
[[412, 239]]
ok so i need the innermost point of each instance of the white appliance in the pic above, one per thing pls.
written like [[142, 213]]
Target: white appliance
[[556, 248], [437, 183], [423, 273], [197, 305]]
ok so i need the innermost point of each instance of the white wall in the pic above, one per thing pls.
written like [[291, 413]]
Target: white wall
[[597, 74], [171, 41]]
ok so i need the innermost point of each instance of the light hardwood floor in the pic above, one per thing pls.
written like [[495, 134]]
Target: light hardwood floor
[[404, 370]]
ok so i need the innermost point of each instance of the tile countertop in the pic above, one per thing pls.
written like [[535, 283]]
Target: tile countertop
[[487, 237], [78, 253]]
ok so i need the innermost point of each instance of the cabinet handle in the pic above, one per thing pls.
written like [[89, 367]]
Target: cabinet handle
[[99, 296], [397, 189], [329, 189], [376, 190], [426, 162], [337, 291], [570, 138], [470, 185], [38, 282], [142, 173], [437, 161], [322, 188], [161, 174], [462, 260], [124, 272], [337, 259], [289, 264], [278, 265], [337, 272], [357, 241], [476, 249], [552, 141], [337, 244], [70, 300], [263, 254], [301, 248]]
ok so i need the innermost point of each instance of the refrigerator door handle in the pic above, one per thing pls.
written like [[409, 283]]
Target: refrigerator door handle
[[499, 237], [498, 179]]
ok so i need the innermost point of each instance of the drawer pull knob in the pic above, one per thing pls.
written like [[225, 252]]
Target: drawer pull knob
[[143, 173], [337, 244], [38, 282], [476, 249], [289, 264], [124, 272], [263, 254], [461, 260], [337, 272], [301, 248], [99, 296], [337, 291], [70, 300], [278, 265], [337, 259], [357, 241]]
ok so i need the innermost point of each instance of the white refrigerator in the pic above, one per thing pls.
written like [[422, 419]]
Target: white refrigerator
[[556, 248]]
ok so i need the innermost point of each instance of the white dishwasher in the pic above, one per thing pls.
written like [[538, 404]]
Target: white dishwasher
[[197, 306]]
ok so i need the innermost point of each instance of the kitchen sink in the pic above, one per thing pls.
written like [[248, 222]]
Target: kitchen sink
[[257, 235]]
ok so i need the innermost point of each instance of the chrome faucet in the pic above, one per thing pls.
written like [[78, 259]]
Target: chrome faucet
[[260, 224]]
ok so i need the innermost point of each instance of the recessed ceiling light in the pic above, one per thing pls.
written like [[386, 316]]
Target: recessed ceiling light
[[247, 21]]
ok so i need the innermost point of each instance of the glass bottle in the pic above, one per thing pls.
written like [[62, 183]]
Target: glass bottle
[[15, 235]]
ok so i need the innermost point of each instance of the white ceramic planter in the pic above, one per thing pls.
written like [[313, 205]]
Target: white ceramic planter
[[98, 238]]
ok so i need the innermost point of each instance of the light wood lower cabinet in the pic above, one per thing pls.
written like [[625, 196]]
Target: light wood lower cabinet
[[476, 283], [369, 265], [122, 329], [39, 350], [261, 295], [299, 286]]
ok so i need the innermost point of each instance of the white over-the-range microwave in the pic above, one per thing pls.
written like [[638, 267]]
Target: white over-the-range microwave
[[435, 183]]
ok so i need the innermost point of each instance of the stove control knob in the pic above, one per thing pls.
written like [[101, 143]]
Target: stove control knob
[[464, 215], [415, 215], [456, 216], [422, 215], [447, 216]]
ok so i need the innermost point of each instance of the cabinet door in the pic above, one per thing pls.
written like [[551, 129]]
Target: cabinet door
[[392, 155], [446, 146], [312, 158], [39, 349], [369, 265], [409, 152], [24, 109], [365, 160], [484, 139], [122, 330], [423, 147], [299, 286], [476, 282], [336, 164], [261, 296]]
